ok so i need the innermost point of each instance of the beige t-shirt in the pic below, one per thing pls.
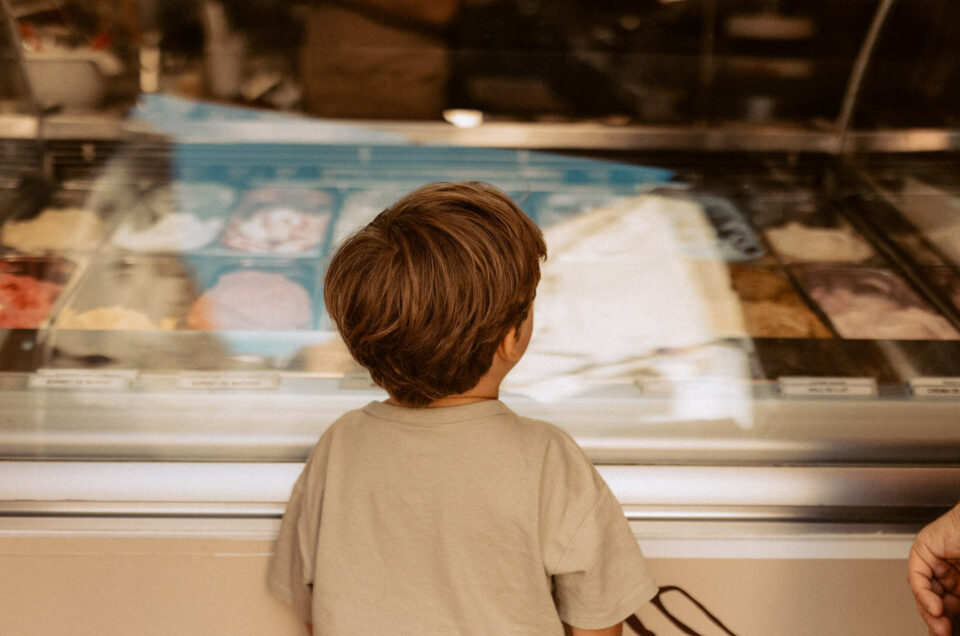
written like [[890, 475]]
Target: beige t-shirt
[[457, 520]]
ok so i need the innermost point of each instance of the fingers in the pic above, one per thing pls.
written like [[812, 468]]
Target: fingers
[[941, 623], [926, 589], [929, 603], [933, 572], [951, 605], [937, 587], [931, 577], [943, 567], [934, 600], [946, 573], [938, 626]]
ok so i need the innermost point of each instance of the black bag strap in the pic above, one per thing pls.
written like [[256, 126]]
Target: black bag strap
[[636, 625]]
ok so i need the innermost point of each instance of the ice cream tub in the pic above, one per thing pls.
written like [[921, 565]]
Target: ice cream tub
[[128, 312], [178, 217], [257, 295], [31, 287], [281, 220], [65, 224], [771, 306], [872, 303], [134, 293], [802, 242]]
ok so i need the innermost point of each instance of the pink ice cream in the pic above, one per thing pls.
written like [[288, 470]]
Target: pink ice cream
[[252, 300], [25, 301]]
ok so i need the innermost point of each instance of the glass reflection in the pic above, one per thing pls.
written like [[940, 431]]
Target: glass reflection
[[635, 292]]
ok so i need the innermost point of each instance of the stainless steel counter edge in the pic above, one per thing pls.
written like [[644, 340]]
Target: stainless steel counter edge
[[821, 494], [572, 135]]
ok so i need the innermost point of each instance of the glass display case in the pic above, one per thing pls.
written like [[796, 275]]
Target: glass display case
[[751, 282]]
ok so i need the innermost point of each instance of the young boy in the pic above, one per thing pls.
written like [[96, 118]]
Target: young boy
[[439, 510]]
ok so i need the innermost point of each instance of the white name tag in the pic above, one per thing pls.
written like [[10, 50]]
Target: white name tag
[[228, 381], [935, 387], [82, 378], [838, 387]]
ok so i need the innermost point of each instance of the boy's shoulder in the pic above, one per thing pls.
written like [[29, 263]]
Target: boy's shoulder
[[545, 431]]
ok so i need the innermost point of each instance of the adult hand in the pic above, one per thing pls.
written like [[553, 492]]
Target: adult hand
[[933, 571]]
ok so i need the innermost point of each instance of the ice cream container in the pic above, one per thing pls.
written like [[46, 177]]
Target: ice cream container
[[257, 295], [177, 217], [799, 242], [284, 221], [872, 303], [771, 306], [132, 293], [30, 287], [65, 224]]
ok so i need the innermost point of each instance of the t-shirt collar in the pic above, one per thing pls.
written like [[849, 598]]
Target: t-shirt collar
[[439, 415]]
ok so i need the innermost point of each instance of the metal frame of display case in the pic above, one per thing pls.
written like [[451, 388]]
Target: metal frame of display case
[[728, 512], [557, 136]]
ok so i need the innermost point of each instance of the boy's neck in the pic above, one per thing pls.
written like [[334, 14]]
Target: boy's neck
[[488, 388], [454, 400]]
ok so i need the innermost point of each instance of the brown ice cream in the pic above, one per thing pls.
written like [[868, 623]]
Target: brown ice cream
[[771, 308]]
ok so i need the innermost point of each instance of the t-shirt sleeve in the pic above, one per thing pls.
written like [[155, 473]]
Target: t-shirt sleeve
[[599, 573], [291, 571]]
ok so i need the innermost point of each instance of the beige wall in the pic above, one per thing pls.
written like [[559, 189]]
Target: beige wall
[[766, 597], [142, 587], [211, 587]]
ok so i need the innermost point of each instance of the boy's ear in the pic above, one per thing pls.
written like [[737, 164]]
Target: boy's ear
[[510, 348]]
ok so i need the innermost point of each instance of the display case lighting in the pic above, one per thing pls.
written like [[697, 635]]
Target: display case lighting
[[463, 117]]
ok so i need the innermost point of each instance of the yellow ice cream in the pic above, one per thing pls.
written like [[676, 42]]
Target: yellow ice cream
[[115, 317], [54, 229]]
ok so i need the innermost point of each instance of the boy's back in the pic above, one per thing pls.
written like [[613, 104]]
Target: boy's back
[[440, 511], [455, 520]]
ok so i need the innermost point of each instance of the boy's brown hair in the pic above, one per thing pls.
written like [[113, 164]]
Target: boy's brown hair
[[424, 294]]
